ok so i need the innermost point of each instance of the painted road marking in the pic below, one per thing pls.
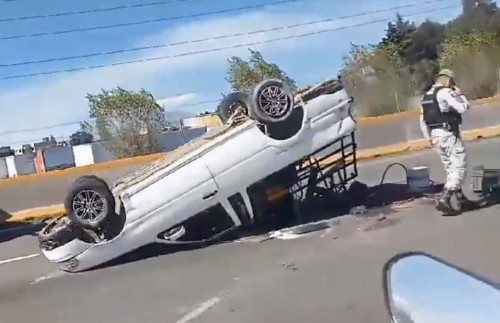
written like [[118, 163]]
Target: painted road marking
[[49, 276], [202, 308], [6, 261]]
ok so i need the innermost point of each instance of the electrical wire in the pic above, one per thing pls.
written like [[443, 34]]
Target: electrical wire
[[191, 53], [142, 22], [254, 32], [82, 12], [5, 133], [158, 58]]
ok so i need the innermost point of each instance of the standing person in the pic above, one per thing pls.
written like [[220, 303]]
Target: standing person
[[442, 108]]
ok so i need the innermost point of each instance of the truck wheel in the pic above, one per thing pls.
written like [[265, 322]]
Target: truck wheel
[[89, 202], [231, 103], [272, 101], [85, 177]]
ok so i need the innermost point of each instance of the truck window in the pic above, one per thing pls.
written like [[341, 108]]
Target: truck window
[[207, 224]]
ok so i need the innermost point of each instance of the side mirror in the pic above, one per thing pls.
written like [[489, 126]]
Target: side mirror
[[422, 289]]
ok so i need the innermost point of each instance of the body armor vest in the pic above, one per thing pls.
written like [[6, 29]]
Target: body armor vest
[[434, 118]]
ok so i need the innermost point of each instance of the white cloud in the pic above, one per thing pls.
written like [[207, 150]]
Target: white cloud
[[431, 314], [177, 101], [61, 98]]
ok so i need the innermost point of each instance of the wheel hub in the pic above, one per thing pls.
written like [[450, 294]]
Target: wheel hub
[[89, 206], [274, 101]]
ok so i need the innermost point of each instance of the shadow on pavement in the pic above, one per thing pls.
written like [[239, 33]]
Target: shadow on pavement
[[14, 229], [361, 201], [323, 205], [365, 203], [485, 201]]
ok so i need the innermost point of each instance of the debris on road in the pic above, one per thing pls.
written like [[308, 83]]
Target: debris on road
[[291, 266], [297, 231], [310, 227], [358, 210], [378, 223]]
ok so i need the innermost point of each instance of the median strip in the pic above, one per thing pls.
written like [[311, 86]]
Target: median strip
[[39, 213], [489, 132]]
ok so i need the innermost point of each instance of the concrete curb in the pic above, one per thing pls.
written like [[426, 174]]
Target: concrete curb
[[413, 112], [489, 132], [416, 145], [83, 169], [38, 213]]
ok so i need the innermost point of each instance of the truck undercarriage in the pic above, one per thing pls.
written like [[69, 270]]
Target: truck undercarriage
[[270, 203]]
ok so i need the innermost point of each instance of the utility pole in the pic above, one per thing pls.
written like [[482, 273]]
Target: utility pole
[[498, 81], [397, 101]]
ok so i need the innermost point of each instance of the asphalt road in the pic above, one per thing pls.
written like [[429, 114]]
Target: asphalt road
[[408, 129], [51, 190], [328, 276]]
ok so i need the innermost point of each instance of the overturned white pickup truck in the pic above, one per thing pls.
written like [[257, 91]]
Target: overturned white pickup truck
[[206, 187]]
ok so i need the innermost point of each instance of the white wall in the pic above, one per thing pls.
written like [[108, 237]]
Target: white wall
[[4, 172], [83, 155]]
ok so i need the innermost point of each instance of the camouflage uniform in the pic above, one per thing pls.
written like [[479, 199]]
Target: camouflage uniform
[[452, 152], [446, 140]]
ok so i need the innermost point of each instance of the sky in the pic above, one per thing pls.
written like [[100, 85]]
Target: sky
[[39, 106], [432, 292]]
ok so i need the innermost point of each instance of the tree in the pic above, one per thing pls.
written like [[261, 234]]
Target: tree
[[128, 121], [425, 43], [244, 75], [476, 15], [398, 35], [377, 78], [474, 57], [80, 138]]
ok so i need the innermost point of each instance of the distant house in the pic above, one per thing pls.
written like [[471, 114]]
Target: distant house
[[80, 138], [45, 143], [6, 151], [208, 120]]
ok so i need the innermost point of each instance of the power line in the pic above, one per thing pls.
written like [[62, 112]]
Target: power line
[[191, 53], [135, 49], [64, 124], [82, 12], [142, 22], [151, 59]]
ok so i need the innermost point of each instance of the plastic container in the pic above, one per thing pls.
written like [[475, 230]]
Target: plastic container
[[484, 180], [419, 179]]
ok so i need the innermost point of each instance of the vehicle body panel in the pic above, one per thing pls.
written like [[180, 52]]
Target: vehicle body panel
[[170, 191]]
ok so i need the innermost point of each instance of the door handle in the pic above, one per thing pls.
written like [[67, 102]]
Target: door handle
[[209, 195]]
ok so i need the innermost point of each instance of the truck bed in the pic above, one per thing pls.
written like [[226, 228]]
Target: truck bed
[[202, 143], [175, 155]]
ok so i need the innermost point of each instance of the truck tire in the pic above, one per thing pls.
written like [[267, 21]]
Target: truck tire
[[227, 107], [272, 101], [85, 177], [89, 202]]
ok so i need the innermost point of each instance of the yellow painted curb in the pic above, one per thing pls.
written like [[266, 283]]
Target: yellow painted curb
[[415, 145], [84, 169], [489, 132], [411, 113], [43, 212], [388, 117]]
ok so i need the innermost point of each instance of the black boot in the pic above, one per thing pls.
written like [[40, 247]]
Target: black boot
[[464, 202], [444, 203]]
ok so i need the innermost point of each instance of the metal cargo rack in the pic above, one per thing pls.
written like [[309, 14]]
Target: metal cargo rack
[[331, 168]]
